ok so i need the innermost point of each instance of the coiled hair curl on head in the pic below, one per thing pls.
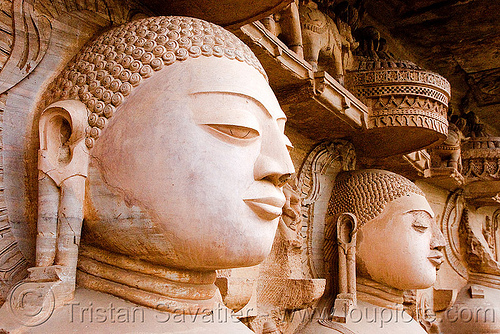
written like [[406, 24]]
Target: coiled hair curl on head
[[365, 193], [107, 69]]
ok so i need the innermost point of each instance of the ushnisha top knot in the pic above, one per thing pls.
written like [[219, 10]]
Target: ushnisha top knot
[[107, 69], [365, 193]]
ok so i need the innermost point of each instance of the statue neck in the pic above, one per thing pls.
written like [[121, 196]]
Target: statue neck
[[147, 284], [379, 294]]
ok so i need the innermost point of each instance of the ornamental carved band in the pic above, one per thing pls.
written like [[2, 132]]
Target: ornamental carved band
[[481, 158], [403, 97]]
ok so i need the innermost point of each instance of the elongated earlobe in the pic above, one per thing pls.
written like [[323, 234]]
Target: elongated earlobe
[[346, 241], [62, 167]]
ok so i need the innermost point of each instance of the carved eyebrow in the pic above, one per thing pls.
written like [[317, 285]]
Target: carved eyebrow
[[416, 212], [245, 96]]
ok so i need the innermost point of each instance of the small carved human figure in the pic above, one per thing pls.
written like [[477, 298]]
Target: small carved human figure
[[292, 214], [474, 126], [480, 297], [398, 247], [489, 233], [181, 149], [383, 50], [284, 260]]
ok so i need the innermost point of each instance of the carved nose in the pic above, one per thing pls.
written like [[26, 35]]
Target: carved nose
[[438, 241], [274, 163], [276, 170]]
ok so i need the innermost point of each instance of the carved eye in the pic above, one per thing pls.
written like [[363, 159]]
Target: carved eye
[[420, 227], [235, 131]]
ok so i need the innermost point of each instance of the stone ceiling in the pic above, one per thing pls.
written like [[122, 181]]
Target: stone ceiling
[[459, 39]]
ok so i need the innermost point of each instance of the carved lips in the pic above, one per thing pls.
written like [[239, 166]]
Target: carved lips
[[265, 200], [436, 258]]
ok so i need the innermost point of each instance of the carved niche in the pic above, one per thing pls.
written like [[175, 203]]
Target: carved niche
[[481, 294], [315, 182], [450, 221]]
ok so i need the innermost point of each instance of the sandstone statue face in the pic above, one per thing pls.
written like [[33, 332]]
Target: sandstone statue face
[[401, 247], [200, 149]]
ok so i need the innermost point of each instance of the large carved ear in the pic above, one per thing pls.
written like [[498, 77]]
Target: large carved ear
[[63, 161], [62, 140], [346, 228], [346, 241]]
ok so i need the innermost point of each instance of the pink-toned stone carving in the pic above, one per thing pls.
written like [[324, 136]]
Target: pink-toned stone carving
[[398, 247], [187, 106], [12, 262], [283, 287], [408, 106], [322, 35], [316, 180], [286, 26], [24, 36], [450, 222], [490, 234], [328, 44], [446, 160], [480, 158], [481, 169], [31, 30], [479, 297], [448, 154]]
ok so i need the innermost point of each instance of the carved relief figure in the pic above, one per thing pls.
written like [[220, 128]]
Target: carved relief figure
[[187, 106], [286, 26], [448, 154], [322, 36], [323, 42], [397, 247], [284, 285], [489, 233], [369, 42], [480, 297]]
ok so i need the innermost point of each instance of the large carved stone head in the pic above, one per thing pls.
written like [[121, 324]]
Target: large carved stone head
[[186, 144], [398, 241]]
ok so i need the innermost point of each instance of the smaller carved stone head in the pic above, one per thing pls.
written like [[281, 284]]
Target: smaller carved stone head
[[398, 242]]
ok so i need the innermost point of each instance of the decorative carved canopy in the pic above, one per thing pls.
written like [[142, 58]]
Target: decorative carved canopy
[[407, 106]]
